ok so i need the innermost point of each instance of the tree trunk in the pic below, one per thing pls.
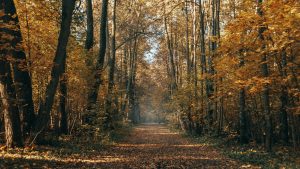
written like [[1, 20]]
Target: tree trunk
[[265, 93], [171, 57], [58, 68], [189, 67], [90, 25], [203, 55], [12, 125], [63, 101], [93, 93], [244, 137], [108, 112], [126, 82], [210, 84], [21, 77], [284, 99], [133, 114]]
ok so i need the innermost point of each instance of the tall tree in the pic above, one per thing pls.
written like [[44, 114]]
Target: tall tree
[[108, 121], [13, 134], [58, 66], [171, 57], [265, 74], [20, 70], [203, 51], [284, 98], [242, 108], [93, 93]]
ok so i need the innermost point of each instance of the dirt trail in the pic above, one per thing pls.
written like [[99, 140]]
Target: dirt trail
[[148, 146], [155, 146]]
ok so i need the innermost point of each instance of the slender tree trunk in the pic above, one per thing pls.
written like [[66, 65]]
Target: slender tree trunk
[[203, 55], [194, 60], [189, 67], [93, 93], [59, 64], [244, 139], [89, 43], [126, 81], [284, 98], [265, 93], [210, 84], [133, 113], [171, 57], [108, 112]]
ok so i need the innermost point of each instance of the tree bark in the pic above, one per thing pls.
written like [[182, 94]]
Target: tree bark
[[93, 93], [203, 55], [210, 84], [58, 66], [171, 57], [63, 101], [189, 66], [244, 137], [108, 112], [12, 124], [133, 113], [20, 70], [284, 99], [90, 25], [265, 93]]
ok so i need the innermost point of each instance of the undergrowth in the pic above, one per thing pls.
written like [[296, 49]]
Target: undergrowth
[[282, 157]]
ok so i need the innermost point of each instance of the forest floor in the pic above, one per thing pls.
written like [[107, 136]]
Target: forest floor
[[146, 146]]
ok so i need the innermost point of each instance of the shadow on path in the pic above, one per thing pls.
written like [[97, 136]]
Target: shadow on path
[[148, 146]]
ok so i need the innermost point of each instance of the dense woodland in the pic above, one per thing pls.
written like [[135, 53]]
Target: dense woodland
[[86, 68]]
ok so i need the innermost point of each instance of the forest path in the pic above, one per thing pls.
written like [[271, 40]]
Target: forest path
[[149, 146], [155, 146]]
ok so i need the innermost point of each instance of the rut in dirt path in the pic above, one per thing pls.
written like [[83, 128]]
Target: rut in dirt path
[[155, 146]]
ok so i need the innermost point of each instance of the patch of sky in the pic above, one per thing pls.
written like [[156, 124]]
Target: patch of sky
[[149, 56]]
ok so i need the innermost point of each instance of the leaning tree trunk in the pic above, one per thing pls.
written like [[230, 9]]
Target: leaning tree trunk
[[58, 68], [21, 76], [93, 93]]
